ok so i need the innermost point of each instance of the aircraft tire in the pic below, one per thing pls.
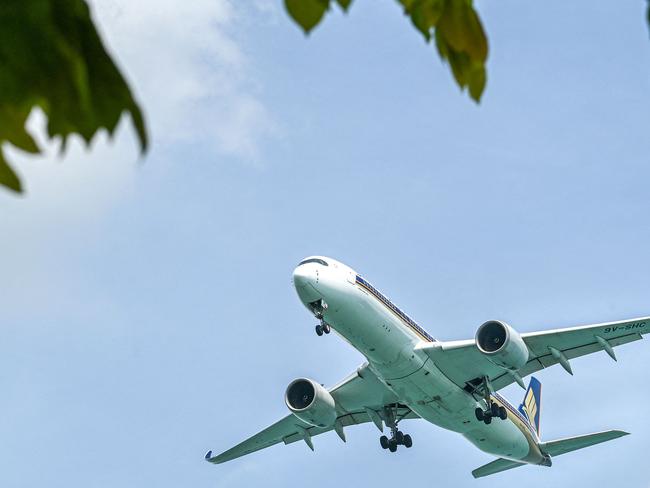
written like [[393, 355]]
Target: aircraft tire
[[319, 330], [383, 440], [392, 445], [503, 413], [487, 420], [408, 442], [494, 409], [399, 437], [480, 415], [326, 328]]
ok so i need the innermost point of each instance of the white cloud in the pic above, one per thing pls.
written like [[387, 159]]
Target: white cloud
[[190, 72]]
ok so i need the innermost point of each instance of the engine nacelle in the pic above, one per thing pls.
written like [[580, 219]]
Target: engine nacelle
[[502, 345], [311, 403]]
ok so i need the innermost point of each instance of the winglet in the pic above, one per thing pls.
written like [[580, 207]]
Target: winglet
[[208, 455]]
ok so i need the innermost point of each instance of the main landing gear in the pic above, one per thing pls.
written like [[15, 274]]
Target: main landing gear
[[397, 437], [493, 410]]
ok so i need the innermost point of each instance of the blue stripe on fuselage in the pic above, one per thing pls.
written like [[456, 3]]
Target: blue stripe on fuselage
[[393, 308]]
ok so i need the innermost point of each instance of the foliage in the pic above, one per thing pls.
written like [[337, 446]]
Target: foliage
[[454, 24], [53, 58]]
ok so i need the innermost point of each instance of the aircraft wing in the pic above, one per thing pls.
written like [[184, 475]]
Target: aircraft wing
[[464, 364], [359, 398]]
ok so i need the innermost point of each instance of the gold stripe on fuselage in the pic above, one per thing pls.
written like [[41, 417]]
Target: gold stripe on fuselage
[[534, 455]]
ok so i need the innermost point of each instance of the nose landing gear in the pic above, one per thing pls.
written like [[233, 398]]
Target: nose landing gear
[[323, 328], [318, 308]]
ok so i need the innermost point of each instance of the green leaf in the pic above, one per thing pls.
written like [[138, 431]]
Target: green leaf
[[307, 13], [13, 128], [7, 176], [344, 4], [407, 4], [461, 41], [462, 29], [459, 37], [459, 34], [53, 58], [477, 81], [425, 14]]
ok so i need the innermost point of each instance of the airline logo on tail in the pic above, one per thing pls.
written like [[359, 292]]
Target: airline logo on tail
[[532, 405]]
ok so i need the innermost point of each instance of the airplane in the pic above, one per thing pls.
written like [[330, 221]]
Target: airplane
[[409, 375]]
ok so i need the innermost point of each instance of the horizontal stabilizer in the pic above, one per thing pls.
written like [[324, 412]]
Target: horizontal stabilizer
[[570, 444], [552, 448], [495, 467]]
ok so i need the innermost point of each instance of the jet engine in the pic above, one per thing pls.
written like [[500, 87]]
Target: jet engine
[[502, 345], [311, 403]]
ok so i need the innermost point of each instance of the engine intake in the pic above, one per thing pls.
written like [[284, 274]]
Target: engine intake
[[502, 345], [311, 403]]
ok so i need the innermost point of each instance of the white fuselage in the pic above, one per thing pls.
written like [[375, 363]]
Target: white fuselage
[[387, 337]]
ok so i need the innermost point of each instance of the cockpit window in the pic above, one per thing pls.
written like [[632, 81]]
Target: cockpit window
[[314, 260]]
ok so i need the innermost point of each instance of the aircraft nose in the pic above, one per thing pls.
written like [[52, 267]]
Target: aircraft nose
[[303, 276], [304, 280]]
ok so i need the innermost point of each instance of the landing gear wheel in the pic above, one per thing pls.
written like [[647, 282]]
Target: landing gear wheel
[[494, 410], [487, 420], [319, 330], [503, 413], [326, 327], [399, 437], [392, 445], [383, 440], [480, 415], [408, 442]]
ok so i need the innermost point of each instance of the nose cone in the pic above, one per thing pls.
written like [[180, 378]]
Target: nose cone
[[304, 279], [304, 275]]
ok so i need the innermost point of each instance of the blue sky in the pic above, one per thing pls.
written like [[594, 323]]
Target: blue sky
[[148, 312]]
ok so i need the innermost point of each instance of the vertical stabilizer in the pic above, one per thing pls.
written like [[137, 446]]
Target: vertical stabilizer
[[532, 404]]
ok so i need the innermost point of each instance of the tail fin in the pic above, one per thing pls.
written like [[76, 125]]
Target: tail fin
[[532, 405]]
